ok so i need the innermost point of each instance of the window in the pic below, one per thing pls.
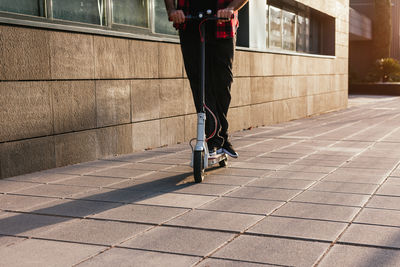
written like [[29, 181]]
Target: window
[[289, 30], [161, 23], [131, 12], [267, 23], [87, 11], [293, 26], [275, 27], [303, 33], [27, 7], [139, 16]]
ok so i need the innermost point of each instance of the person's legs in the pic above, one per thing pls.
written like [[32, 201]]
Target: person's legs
[[190, 46], [222, 78]]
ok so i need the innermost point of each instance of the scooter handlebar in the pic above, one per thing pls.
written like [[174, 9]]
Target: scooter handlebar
[[206, 17]]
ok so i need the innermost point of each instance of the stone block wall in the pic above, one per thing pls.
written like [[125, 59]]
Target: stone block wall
[[70, 97]]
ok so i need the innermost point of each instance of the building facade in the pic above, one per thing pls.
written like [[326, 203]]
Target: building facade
[[82, 80], [361, 38]]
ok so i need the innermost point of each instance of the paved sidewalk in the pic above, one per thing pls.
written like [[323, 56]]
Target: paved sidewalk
[[319, 191]]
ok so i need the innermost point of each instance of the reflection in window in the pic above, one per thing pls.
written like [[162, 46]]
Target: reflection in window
[[27, 7], [131, 12], [87, 11], [161, 23], [275, 34], [303, 33], [267, 23], [289, 30]]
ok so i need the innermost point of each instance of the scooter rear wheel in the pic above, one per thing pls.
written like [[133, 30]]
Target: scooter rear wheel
[[198, 166]]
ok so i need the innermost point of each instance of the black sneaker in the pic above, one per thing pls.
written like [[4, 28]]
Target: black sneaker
[[228, 149]]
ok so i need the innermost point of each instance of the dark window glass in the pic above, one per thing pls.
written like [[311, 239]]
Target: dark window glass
[[87, 11], [161, 23], [315, 35], [131, 12], [28, 7]]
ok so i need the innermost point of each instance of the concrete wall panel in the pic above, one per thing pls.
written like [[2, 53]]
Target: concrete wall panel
[[26, 110], [24, 53], [74, 105], [111, 57], [26, 156], [71, 55], [145, 100], [113, 102]]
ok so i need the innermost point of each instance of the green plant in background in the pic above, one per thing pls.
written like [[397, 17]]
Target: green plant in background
[[387, 69]]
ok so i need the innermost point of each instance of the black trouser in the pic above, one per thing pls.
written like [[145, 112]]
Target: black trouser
[[219, 77]]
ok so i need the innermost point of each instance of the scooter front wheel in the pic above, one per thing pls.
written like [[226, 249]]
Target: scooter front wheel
[[198, 166]]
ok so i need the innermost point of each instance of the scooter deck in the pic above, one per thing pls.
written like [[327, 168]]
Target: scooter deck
[[214, 160]]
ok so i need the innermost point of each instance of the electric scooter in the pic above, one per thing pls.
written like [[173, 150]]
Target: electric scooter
[[201, 159]]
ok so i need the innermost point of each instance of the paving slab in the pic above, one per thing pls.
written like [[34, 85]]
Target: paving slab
[[146, 166], [372, 163], [120, 172], [379, 217], [264, 193], [106, 233], [321, 163], [52, 190], [140, 213], [281, 183], [179, 240], [21, 203], [308, 168], [90, 181], [8, 241], [228, 179], [78, 169], [41, 177], [169, 160], [176, 200], [298, 228], [9, 186], [280, 251], [340, 187], [270, 160], [389, 189], [21, 224], [355, 175], [392, 180], [257, 166], [317, 211], [312, 176], [344, 255], [216, 220], [396, 172], [345, 199], [51, 253], [240, 172], [373, 235], [230, 263], [384, 202], [138, 258], [73, 208], [240, 205], [205, 189], [113, 195]]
